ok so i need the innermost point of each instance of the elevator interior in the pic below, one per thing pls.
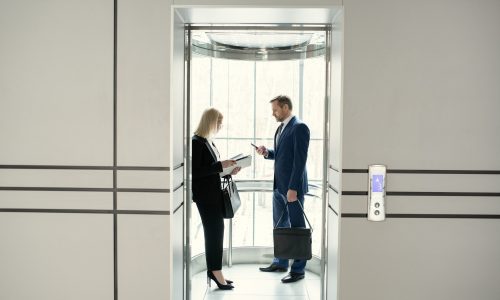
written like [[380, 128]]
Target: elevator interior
[[238, 69]]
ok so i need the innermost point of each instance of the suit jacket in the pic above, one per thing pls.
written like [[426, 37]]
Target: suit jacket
[[290, 157], [206, 184]]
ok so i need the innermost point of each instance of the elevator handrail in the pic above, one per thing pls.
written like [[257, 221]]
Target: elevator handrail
[[243, 186]]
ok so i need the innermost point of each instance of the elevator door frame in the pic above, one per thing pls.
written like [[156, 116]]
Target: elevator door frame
[[188, 28]]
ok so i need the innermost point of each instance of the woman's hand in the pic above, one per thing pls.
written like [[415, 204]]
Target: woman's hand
[[228, 163], [235, 170]]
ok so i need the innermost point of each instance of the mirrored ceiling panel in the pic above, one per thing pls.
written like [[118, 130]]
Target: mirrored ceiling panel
[[259, 44]]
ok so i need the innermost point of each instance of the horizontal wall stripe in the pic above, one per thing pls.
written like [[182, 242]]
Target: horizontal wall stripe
[[143, 190], [65, 189], [133, 168], [330, 207], [458, 172], [83, 211], [61, 167], [354, 193], [333, 168], [143, 212], [181, 185], [55, 167], [66, 211], [333, 189], [459, 194], [354, 170], [411, 171], [427, 216], [54, 189], [177, 178], [180, 205]]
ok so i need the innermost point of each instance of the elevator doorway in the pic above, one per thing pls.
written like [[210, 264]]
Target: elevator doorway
[[238, 69]]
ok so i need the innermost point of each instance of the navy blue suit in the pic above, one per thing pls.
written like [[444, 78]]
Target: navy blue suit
[[290, 157]]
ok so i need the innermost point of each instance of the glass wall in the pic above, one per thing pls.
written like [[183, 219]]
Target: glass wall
[[241, 90]]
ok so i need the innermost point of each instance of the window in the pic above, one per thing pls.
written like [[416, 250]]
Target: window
[[241, 90]]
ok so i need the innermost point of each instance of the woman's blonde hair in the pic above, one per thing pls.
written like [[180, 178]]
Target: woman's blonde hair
[[208, 123]]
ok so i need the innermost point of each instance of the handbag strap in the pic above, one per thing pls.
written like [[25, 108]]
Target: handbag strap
[[226, 181], [303, 212]]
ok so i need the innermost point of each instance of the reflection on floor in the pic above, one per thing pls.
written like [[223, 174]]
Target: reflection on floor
[[250, 284]]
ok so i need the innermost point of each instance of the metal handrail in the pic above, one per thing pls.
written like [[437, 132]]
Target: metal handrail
[[250, 188]]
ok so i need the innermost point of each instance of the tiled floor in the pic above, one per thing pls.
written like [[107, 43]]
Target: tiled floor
[[250, 283]]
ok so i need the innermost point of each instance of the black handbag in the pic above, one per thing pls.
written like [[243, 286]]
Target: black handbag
[[293, 243], [230, 198]]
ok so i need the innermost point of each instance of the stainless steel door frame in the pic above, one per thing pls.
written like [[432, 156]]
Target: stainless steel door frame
[[187, 146], [187, 161], [326, 143]]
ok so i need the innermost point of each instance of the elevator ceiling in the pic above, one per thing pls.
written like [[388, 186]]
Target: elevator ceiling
[[259, 44]]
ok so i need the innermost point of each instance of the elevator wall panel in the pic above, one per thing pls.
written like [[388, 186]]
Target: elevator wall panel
[[144, 139], [416, 259], [148, 201], [56, 82], [177, 241], [417, 95], [336, 105], [143, 108], [143, 257], [422, 100], [56, 256], [333, 255], [56, 200]]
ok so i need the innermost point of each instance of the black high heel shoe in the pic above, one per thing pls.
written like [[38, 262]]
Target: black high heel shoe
[[211, 276]]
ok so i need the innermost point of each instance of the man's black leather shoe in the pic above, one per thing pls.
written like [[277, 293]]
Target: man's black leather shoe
[[292, 277], [273, 268]]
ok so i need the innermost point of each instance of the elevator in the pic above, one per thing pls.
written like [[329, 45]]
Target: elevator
[[237, 69], [245, 56]]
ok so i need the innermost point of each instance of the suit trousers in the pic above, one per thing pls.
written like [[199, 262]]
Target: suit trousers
[[213, 228], [293, 217]]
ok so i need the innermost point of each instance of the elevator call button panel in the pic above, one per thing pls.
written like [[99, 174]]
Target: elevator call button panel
[[376, 192]]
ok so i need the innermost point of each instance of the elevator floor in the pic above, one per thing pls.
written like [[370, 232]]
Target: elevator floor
[[250, 284]]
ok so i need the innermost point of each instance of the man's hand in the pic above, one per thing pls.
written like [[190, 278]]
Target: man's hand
[[291, 196], [261, 150]]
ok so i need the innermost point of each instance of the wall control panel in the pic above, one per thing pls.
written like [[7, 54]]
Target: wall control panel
[[376, 192]]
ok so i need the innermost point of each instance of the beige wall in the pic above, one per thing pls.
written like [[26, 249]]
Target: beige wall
[[427, 69], [57, 110], [421, 92]]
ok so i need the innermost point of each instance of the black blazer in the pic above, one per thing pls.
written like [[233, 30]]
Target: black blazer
[[206, 184]]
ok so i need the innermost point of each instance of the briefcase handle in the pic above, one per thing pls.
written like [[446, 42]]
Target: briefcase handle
[[303, 212]]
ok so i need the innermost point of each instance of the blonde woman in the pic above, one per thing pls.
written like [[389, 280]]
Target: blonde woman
[[206, 186]]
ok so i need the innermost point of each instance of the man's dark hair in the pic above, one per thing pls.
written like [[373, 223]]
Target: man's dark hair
[[282, 100]]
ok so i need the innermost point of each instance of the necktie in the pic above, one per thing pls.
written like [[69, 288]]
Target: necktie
[[278, 133]]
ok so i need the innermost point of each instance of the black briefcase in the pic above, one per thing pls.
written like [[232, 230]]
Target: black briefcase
[[293, 243]]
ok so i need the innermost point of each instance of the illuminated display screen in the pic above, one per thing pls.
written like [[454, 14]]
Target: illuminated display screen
[[377, 183]]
